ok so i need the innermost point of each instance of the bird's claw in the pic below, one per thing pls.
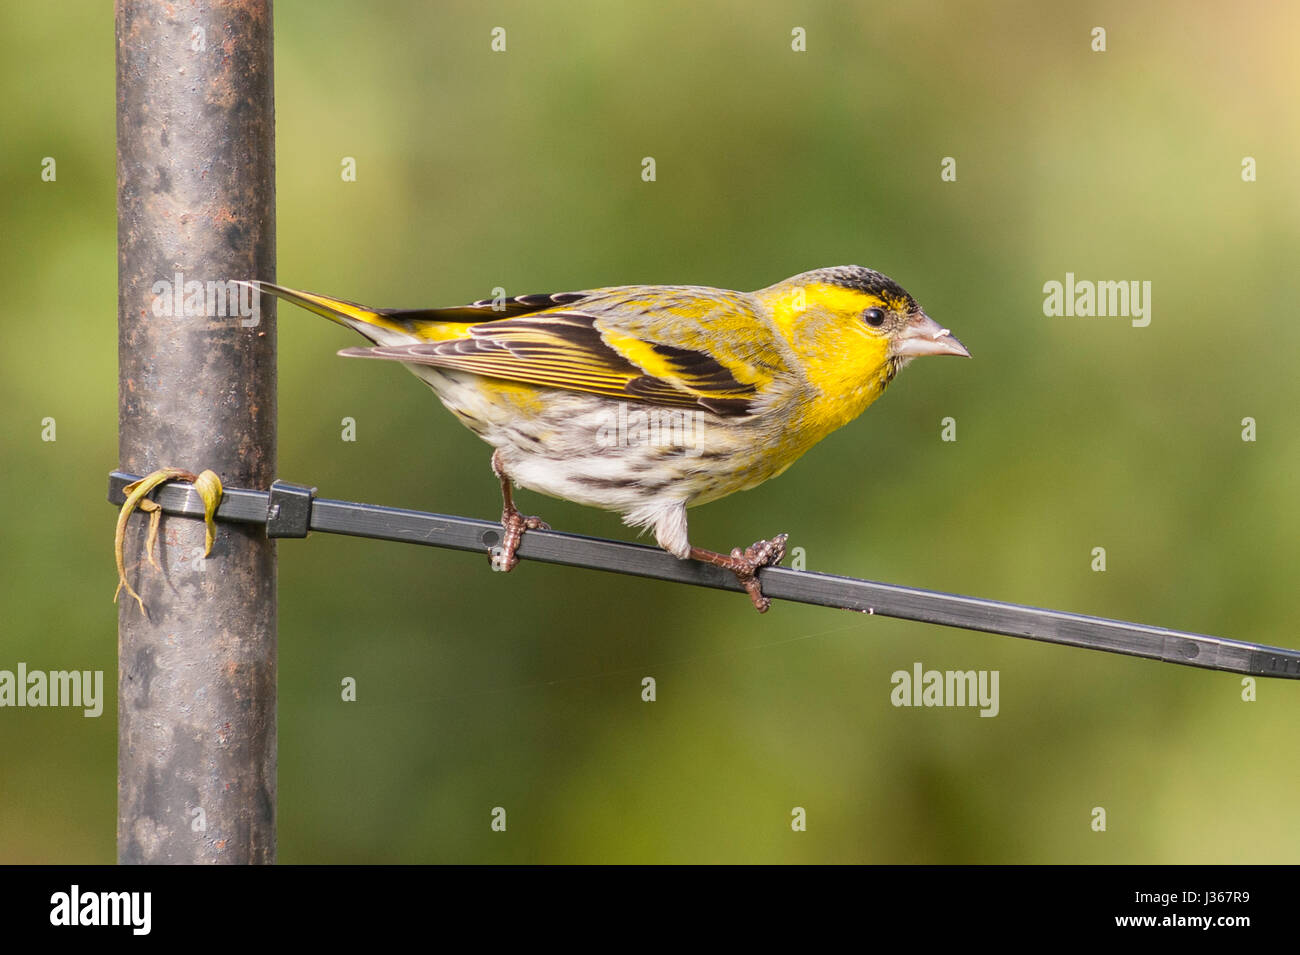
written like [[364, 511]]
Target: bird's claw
[[746, 564], [760, 554], [513, 524]]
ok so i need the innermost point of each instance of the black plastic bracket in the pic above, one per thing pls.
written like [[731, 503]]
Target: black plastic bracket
[[288, 509]]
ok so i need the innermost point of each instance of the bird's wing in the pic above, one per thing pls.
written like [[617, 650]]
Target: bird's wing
[[679, 347], [484, 310]]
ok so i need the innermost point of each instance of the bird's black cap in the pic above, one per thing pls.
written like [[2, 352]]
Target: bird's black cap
[[865, 280]]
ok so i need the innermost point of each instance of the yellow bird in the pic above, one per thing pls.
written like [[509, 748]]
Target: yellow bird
[[649, 399]]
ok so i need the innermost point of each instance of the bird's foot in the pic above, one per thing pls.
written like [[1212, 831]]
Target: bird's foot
[[502, 555], [746, 564], [513, 525]]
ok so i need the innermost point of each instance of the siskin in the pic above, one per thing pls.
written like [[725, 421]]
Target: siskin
[[649, 399]]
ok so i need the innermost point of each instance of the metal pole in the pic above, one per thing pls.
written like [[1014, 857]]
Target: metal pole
[[196, 209]]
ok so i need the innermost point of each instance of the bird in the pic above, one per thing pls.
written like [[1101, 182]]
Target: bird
[[647, 400]]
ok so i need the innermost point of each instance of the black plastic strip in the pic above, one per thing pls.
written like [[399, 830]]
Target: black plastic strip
[[781, 583]]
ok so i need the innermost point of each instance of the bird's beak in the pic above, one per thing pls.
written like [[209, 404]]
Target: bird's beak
[[924, 336]]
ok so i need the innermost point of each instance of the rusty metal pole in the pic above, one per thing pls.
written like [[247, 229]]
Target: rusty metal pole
[[196, 210]]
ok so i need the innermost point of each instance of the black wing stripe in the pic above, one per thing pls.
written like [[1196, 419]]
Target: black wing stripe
[[579, 329], [484, 310], [703, 368]]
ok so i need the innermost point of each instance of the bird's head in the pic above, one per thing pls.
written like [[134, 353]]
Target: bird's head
[[853, 329]]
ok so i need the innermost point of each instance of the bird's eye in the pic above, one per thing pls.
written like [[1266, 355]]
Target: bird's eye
[[874, 317]]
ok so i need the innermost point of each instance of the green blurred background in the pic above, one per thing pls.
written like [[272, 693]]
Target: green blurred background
[[522, 169]]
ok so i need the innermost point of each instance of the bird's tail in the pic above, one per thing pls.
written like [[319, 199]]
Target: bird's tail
[[386, 326], [371, 322]]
